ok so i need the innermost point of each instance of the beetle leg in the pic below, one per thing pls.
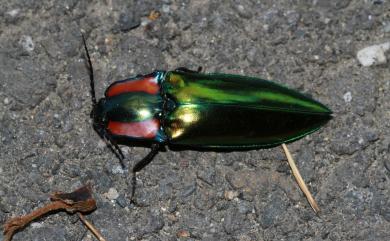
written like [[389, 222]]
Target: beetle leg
[[112, 145], [140, 165], [116, 150], [186, 70]]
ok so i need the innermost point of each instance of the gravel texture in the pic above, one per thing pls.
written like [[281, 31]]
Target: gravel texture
[[48, 144]]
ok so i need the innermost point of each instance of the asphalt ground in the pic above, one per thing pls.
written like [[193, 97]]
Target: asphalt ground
[[48, 144]]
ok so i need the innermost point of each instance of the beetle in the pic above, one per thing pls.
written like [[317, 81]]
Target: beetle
[[193, 110]]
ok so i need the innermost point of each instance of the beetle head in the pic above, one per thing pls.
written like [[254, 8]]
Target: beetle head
[[98, 116]]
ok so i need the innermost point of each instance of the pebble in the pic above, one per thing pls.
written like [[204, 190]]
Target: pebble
[[112, 194], [242, 11], [117, 169], [166, 8], [183, 234], [6, 101], [27, 43], [347, 97], [37, 225], [12, 16], [13, 13], [373, 55], [172, 217], [230, 195]]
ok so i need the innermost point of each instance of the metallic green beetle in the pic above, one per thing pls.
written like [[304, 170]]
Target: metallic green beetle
[[218, 111], [189, 109]]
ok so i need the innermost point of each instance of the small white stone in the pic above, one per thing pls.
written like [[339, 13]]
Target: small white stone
[[117, 169], [347, 97], [373, 55], [13, 12], [36, 225], [6, 101], [166, 8], [327, 20], [27, 43], [230, 195], [112, 194]]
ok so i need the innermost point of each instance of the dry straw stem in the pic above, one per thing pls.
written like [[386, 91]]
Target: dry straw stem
[[300, 180], [91, 228]]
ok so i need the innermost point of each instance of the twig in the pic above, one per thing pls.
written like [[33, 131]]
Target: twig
[[78, 201], [14, 224], [300, 180]]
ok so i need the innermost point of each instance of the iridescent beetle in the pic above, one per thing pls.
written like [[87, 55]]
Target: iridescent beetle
[[192, 110]]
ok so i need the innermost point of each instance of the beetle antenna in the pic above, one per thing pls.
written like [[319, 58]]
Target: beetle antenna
[[90, 69]]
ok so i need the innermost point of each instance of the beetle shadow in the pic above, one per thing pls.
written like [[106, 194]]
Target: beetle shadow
[[176, 148], [136, 143]]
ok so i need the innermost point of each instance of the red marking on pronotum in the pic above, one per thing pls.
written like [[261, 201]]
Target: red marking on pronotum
[[142, 129], [148, 84]]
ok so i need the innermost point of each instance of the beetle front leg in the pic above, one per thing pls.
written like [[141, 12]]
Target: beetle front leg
[[111, 144], [140, 165]]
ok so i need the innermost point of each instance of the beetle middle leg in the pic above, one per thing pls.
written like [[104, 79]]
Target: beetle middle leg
[[140, 165]]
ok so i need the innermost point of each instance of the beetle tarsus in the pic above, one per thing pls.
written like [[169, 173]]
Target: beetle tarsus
[[133, 185], [140, 165]]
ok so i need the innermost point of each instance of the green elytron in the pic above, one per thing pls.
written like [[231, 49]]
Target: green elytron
[[232, 111]]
